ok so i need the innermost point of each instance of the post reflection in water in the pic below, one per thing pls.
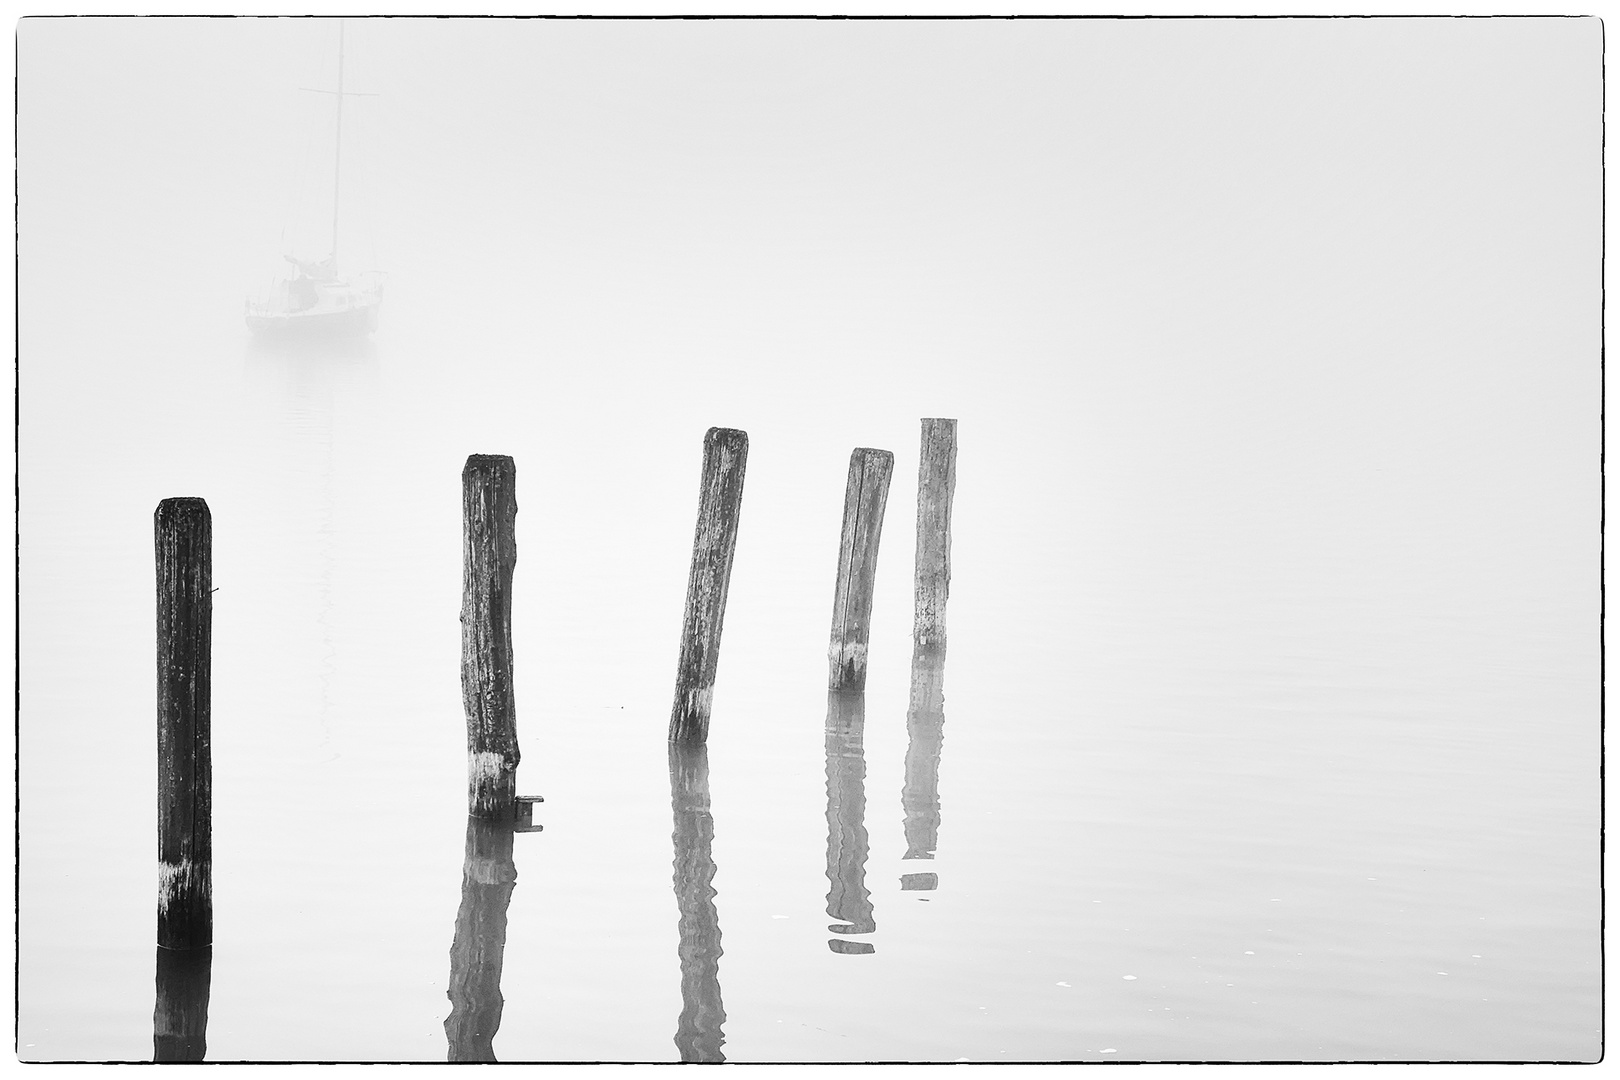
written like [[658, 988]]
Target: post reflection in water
[[925, 727], [848, 898], [180, 1021], [698, 1033], [487, 878]]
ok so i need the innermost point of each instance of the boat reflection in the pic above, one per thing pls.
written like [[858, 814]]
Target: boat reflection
[[925, 728], [180, 1020], [848, 899], [313, 357], [698, 1034], [312, 386], [488, 876]]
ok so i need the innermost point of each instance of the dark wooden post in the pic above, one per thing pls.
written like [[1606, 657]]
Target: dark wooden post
[[180, 1020], [489, 554], [865, 495], [183, 532], [847, 899], [936, 486], [699, 1033], [488, 876], [725, 458]]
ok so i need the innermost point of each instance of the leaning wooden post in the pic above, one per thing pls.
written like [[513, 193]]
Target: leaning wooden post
[[489, 554], [865, 495], [183, 535], [725, 458], [936, 486]]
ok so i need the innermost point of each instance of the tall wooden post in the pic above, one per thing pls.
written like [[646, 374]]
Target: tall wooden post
[[865, 494], [488, 876], [936, 486], [183, 538], [725, 458], [699, 1032], [925, 719], [489, 554]]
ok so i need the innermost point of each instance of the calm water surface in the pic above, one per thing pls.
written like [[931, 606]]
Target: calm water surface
[[1269, 723], [1215, 806]]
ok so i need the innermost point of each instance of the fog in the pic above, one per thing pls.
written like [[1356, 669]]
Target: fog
[[1274, 347]]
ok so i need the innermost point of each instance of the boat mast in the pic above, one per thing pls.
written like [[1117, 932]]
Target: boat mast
[[337, 151]]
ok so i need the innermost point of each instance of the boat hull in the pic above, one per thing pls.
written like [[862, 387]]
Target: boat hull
[[357, 320]]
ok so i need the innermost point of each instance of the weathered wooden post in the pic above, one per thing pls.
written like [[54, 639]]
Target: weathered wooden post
[[847, 899], [725, 458], [925, 719], [488, 876], [936, 486], [180, 1020], [489, 554], [183, 538], [699, 1032], [865, 495]]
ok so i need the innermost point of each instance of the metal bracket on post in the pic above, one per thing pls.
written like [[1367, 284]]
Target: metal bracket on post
[[525, 813]]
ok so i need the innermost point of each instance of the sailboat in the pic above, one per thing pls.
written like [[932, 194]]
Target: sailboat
[[315, 296]]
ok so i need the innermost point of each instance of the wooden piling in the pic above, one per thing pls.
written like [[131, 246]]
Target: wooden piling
[[699, 1031], [936, 486], [865, 494], [183, 539], [925, 719], [488, 876], [725, 458], [489, 554]]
